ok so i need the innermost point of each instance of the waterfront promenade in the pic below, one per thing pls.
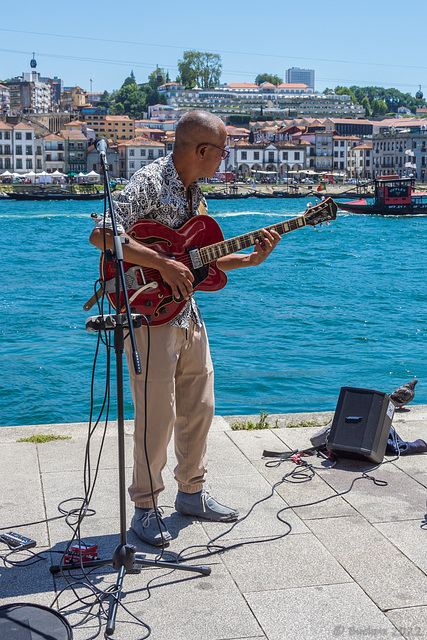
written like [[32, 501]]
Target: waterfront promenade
[[353, 566]]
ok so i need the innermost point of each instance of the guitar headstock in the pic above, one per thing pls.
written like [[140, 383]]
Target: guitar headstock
[[322, 212]]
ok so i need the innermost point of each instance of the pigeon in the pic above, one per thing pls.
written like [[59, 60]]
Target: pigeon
[[404, 394]]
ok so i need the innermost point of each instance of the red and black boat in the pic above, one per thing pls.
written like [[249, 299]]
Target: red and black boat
[[393, 196]]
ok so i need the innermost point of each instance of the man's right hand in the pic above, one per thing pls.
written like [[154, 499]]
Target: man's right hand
[[178, 277]]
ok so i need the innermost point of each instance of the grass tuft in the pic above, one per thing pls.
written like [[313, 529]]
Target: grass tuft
[[247, 425], [41, 438]]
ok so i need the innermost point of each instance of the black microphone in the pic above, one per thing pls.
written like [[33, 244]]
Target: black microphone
[[101, 145]]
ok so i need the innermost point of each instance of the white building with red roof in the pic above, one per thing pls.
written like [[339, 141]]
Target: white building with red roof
[[137, 153]]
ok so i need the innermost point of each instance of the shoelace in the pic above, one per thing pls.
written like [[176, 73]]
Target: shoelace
[[145, 520]]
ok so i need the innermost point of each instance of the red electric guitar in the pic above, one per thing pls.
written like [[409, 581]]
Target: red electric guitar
[[198, 244]]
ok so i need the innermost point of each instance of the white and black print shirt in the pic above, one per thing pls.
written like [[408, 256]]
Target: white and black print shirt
[[157, 193]]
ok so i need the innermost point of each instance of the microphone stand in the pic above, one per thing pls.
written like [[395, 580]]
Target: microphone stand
[[125, 559]]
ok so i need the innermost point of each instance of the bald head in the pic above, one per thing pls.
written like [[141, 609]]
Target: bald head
[[195, 127]]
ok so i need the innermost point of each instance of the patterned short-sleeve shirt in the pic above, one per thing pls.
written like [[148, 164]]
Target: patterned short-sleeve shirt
[[156, 192]]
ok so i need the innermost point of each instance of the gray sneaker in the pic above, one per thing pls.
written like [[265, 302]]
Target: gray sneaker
[[146, 524], [203, 505]]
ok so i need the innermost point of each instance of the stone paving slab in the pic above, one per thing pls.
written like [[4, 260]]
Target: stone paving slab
[[388, 577], [320, 613], [411, 622]]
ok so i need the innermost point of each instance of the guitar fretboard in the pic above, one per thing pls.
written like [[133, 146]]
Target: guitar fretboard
[[224, 248]]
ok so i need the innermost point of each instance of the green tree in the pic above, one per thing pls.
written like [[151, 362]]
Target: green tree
[[379, 107], [366, 105], [267, 77], [345, 91], [156, 78], [200, 68], [129, 99]]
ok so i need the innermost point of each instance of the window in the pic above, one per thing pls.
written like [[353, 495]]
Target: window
[[160, 153], [1, 135], [132, 152], [256, 155], [7, 135], [29, 164], [19, 150], [19, 163], [244, 155], [39, 151], [132, 165], [7, 149], [271, 156], [39, 164], [18, 135], [296, 155], [28, 150], [143, 152], [150, 154]]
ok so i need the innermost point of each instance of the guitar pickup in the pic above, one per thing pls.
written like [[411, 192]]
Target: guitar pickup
[[195, 257]]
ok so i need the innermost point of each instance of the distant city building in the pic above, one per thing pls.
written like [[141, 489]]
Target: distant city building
[[135, 154], [4, 99], [29, 95], [72, 98], [17, 147], [401, 150], [243, 98], [305, 76]]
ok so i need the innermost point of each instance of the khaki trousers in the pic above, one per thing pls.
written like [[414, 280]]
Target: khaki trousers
[[180, 400]]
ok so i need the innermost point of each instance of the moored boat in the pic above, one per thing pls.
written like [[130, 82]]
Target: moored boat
[[393, 196], [54, 195]]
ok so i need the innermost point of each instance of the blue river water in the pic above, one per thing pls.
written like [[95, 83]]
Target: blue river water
[[343, 306]]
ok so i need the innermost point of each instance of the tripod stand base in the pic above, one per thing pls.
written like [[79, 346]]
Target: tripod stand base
[[125, 556], [125, 560]]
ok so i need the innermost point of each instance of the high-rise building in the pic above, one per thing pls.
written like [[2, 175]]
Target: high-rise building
[[297, 75]]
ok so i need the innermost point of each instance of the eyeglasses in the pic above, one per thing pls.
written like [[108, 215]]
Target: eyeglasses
[[224, 152]]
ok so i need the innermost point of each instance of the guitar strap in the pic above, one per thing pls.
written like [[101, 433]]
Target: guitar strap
[[202, 210]]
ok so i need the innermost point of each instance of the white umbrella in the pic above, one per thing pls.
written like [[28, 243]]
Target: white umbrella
[[58, 173], [93, 174], [6, 174]]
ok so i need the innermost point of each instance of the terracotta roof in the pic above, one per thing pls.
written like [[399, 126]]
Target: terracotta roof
[[362, 146], [143, 142], [118, 119], [350, 120], [346, 138], [5, 125], [292, 85], [242, 85], [72, 134], [23, 126]]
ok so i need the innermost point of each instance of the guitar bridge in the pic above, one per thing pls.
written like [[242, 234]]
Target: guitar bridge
[[135, 280], [195, 257]]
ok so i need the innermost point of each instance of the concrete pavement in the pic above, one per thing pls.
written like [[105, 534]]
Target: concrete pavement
[[353, 566]]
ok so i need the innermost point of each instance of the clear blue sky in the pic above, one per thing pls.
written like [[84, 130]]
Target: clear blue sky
[[363, 43]]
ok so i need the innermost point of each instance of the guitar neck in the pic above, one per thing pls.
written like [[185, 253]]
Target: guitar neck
[[226, 247]]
